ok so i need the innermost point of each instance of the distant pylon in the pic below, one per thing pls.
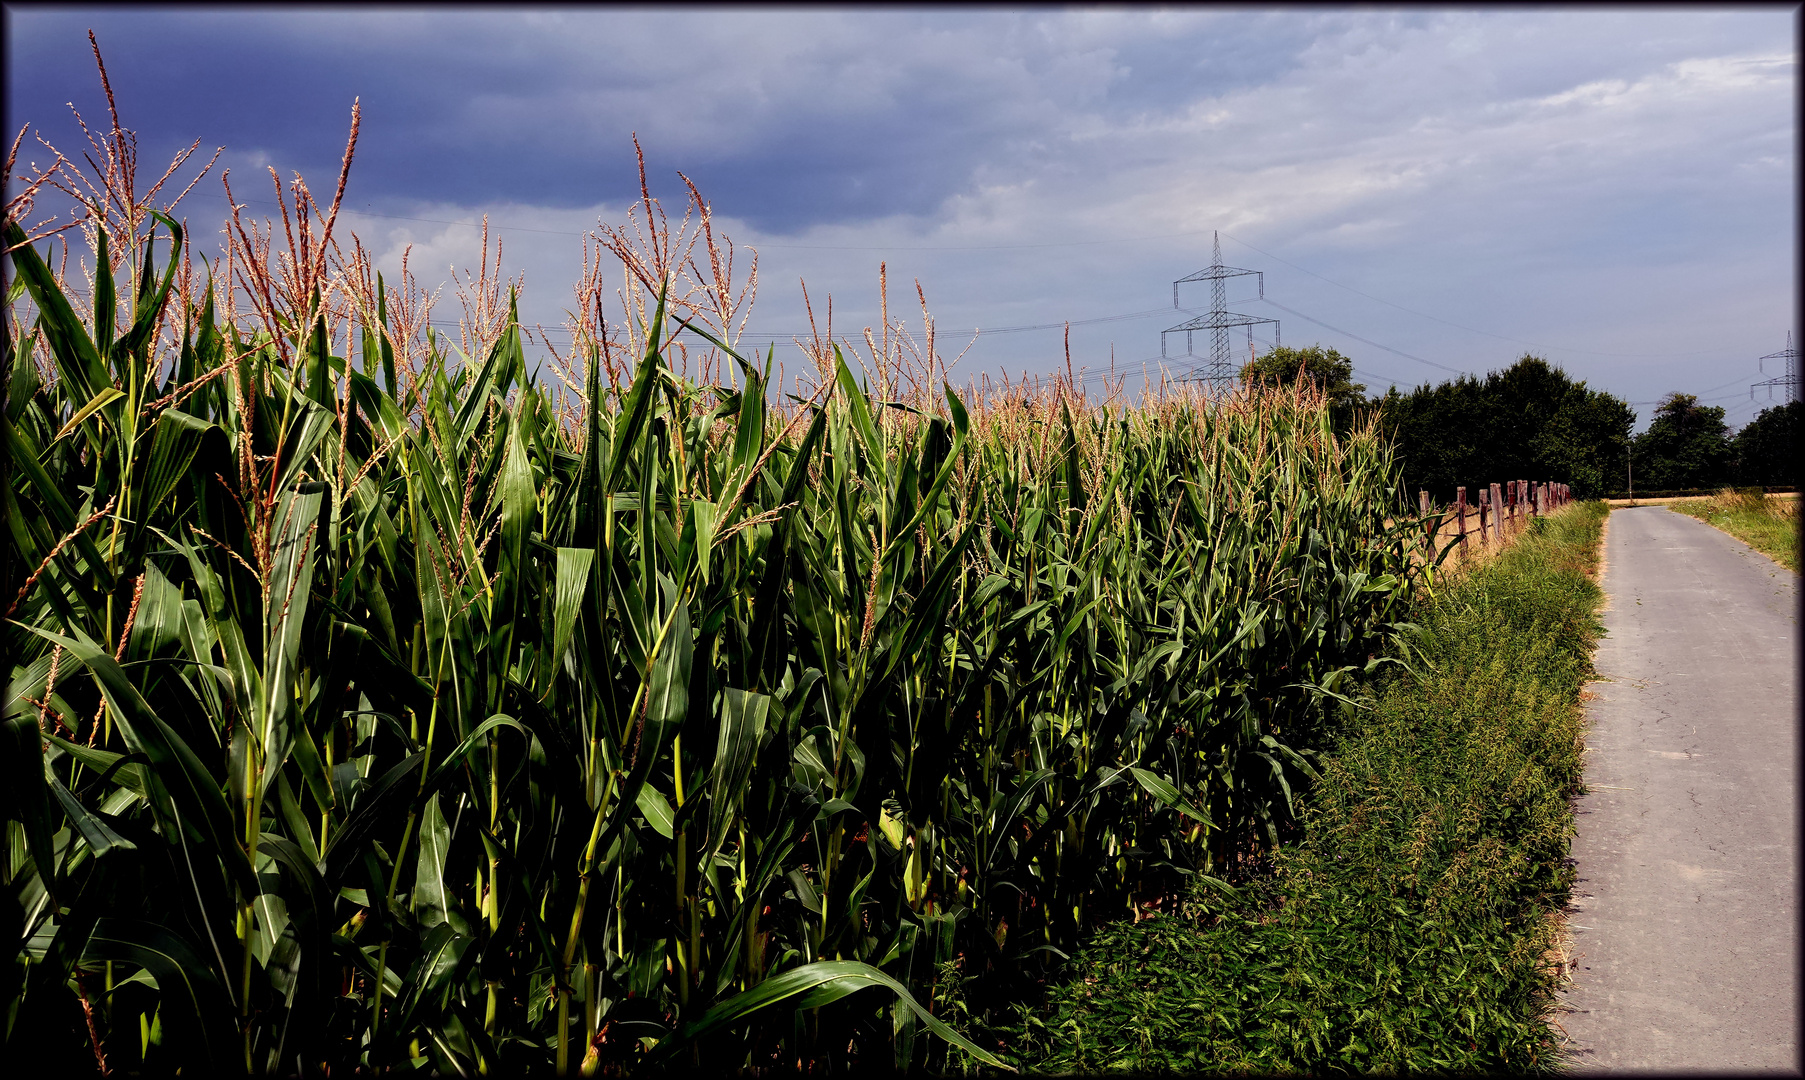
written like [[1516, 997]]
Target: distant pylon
[[1220, 368], [1787, 384]]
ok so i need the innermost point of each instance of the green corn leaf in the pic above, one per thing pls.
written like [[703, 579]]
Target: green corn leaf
[[302, 442], [860, 413], [375, 806], [62, 515], [148, 303], [101, 839], [27, 797], [455, 760], [1003, 824], [317, 358], [665, 703], [701, 518], [519, 504], [28, 683], [429, 899], [811, 986], [186, 795], [105, 763], [175, 441], [743, 718], [630, 424], [490, 380], [749, 428], [1162, 790], [294, 557], [376, 405], [161, 615], [219, 626], [105, 397], [194, 1011], [572, 585], [657, 811], [299, 831], [78, 362]]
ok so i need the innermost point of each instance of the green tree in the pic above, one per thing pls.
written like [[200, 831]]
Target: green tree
[[1686, 446], [1584, 442], [1325, 368], [1443, 434], [1767, 448], [1531, 421]]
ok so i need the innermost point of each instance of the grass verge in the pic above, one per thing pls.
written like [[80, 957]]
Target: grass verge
[[1410, 928], [1763, 522]]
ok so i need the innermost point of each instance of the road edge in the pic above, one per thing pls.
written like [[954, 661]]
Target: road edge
[[1560, 955]]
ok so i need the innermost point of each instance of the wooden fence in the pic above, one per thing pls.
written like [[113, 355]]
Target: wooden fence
[[1502, 510]]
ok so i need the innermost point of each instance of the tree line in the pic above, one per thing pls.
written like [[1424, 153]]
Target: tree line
[[1533, 421]]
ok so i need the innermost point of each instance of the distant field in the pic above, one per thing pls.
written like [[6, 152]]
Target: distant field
[[1668, 500], [1619, 498]]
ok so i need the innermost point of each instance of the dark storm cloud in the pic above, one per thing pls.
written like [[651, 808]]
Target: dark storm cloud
[[808, 117]]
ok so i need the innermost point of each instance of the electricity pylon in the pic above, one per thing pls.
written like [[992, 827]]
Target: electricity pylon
[[1219, 369], [1787, 384]]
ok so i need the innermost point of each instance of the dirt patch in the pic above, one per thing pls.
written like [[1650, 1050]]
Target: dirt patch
[[1601, 562], [1559, 958]]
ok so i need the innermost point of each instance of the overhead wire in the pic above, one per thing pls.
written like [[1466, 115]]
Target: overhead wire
[[768, 338], [1446, 322], [1364, 341]]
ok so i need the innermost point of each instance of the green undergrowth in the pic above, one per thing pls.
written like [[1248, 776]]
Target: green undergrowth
[[1410, 928], [1769, 525]]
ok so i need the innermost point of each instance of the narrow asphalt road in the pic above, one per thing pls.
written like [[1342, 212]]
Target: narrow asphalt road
[[1685, 914]]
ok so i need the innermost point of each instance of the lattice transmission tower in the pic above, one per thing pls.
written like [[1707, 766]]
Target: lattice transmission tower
[[1787, 384], [1220, 368]]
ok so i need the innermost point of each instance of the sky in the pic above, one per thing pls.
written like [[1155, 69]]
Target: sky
[[1428, 191]]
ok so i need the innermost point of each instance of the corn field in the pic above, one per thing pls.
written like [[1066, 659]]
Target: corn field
[[374, 701]]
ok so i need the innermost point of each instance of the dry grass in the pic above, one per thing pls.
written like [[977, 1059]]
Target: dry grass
[[1677, 499], [1767, 523], [1477, 549]]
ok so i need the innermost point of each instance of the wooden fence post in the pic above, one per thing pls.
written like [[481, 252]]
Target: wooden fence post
[[1484, 500], [1497, 493], [1460, 511]]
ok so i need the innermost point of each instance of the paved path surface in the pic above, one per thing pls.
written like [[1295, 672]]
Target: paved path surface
[[1685, 920]]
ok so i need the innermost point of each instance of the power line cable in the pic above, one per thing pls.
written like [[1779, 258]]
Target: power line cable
[[1700, 394], [1362, 340], [1071, 243], [1445, 322]]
